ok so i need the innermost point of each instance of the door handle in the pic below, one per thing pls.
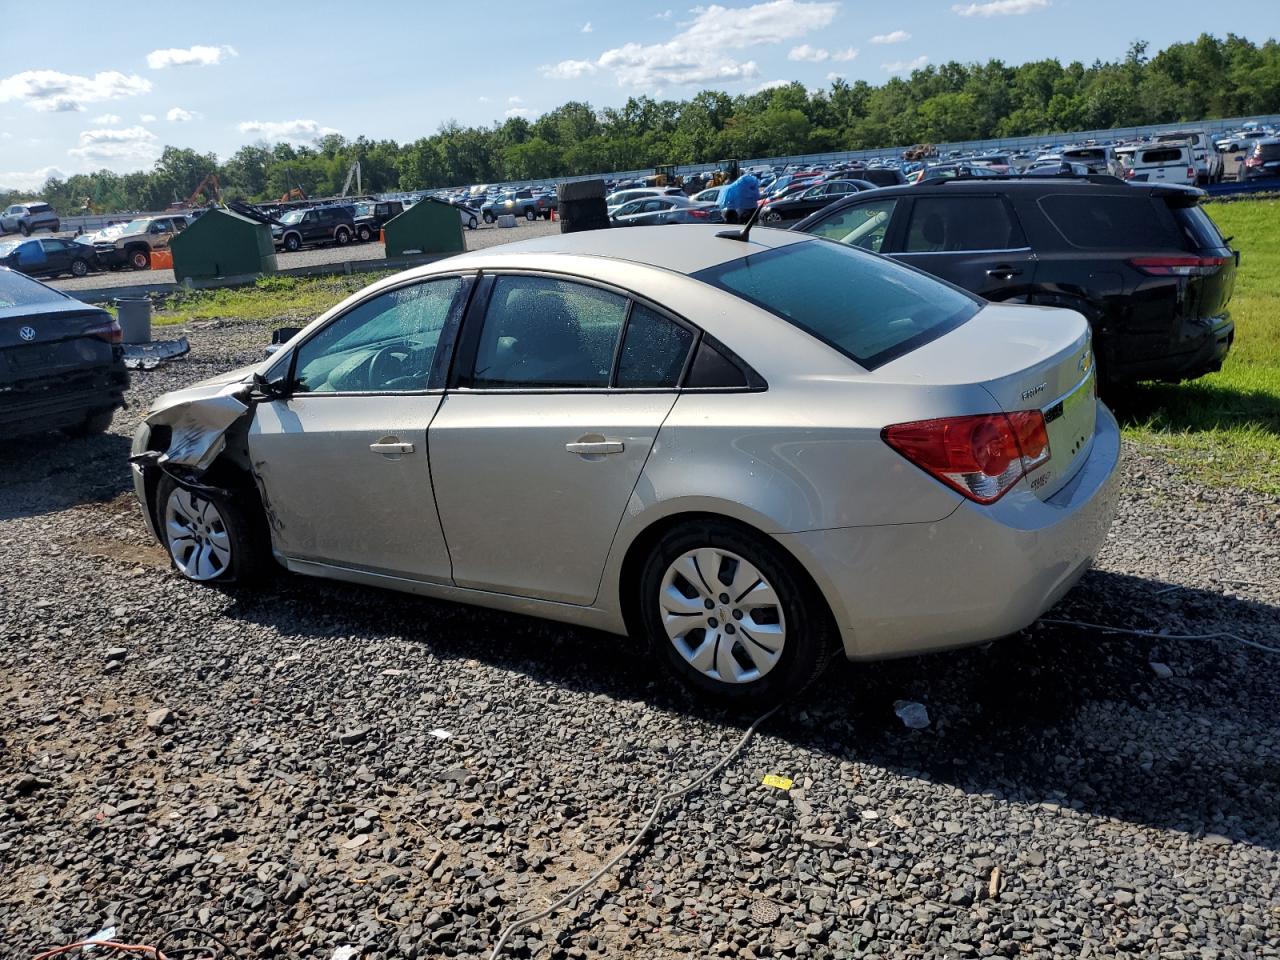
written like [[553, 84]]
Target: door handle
[[389, 445], [595, 447], [1003, 272]]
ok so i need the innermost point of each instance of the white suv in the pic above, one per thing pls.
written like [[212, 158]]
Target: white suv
[[1204, 156], [1161, 163]]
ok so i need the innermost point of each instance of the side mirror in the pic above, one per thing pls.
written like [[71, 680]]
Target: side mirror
[[264, 389], [284, 334]]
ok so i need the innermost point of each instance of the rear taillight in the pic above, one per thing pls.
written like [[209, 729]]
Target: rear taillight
[[980, 456], [1128, 173], [1191, 173], [1253, 161], [108, 331], [700, 214], [1177, 266]]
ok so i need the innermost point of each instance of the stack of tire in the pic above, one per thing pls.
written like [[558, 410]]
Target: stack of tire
[[581, 206]]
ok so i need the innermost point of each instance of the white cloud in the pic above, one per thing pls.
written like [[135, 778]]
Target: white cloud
[[832, 77], [898, 36], [178, 115], [808, 54], [905, 66], [484, 99], [703, 51], [28, 179], [131, 147], [197, 56], [845, 55], [999, 8], [586, 27], [664, 15], [517, 112], [515, 100], [768, 85], [147, 117], [107, 120], [286, 131], [52, 92]]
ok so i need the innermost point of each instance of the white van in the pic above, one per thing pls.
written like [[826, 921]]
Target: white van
[[1162, 163], [1206, 159]]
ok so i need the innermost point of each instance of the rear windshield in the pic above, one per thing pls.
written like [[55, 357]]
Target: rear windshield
[[19, 291], [1269, 151], [870, 309], [1197, 229], [1169, 155], [1107, 221], [38, 207], [1085, 154]]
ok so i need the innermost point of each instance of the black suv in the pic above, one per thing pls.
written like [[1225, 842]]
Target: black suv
[[1142, 262], [371, 217], [298, 228]]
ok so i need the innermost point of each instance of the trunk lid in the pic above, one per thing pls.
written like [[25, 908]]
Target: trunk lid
[[1025, 358], [53, 341]]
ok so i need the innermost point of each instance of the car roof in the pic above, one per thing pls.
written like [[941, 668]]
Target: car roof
[[680, 248]]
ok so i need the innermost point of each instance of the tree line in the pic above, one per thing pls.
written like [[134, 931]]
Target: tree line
[[1203, 79]]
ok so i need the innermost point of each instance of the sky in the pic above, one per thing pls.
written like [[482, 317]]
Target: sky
[[106, 90]]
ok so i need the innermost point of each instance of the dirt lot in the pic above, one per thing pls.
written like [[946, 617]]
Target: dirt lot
[[319, 764], [485, 235]]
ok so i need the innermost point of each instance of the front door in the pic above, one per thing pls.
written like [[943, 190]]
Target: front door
[[537, 452], [343, 460], [972, 240]]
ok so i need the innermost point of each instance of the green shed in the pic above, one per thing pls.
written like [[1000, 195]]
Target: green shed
[[222, 243], [429, 226]]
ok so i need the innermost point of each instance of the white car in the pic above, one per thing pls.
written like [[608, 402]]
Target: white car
[[1204, 153], [745, 454], [1161, 163]]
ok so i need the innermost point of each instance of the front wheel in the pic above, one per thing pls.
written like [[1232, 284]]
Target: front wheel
[[531, 214], [79, 268], [210, 537], [343, 236], [365, 234], [732, 615], [140, 259], [471, 223], [489, 218], [24, 230], [293, 243]]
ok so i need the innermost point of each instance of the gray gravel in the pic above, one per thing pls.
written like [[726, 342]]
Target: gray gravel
[[485, 235], [266, 765]]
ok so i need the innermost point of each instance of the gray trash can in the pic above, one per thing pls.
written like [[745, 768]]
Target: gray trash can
[[135, 319]]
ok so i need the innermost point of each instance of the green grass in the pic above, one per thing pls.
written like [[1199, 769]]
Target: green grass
[[270, 298], [1225, 427]]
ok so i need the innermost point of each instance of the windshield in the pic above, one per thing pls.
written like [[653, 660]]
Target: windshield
[[293, 216], [136, 226], [870, 309], [364, 209]]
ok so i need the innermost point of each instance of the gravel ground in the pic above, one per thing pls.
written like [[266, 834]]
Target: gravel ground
[[485, 235], [320, 764]]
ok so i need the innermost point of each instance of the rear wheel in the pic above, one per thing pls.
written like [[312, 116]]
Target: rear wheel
[[79, 268], [531, 214], [94, 423], [732, 615], [342, 235], [471, 223], [211, 537], [24, 229]]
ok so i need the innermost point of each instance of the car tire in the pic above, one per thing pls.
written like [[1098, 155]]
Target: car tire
[[771, 217], [210, 535], [24, 229], [79, 267], [489, 218], [94, 423], [471, 223], [365, 234], [293, 243], [531, 214], [342, 236], [140, 258], [791, 638]]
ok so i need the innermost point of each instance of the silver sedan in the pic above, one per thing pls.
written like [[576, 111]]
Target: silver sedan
[[750, 454]]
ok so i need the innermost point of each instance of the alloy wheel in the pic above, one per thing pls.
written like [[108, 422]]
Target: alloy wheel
[[196, 535], [722, 616]]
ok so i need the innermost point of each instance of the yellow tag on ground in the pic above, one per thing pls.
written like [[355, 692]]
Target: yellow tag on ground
[[781, 783]]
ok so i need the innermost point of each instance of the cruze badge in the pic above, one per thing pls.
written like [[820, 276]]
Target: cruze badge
[[27, 333]]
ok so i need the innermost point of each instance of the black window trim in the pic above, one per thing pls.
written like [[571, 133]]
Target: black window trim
[[436, 378], [468, 342]]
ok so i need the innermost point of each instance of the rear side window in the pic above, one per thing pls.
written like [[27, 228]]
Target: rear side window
[[653, 350], [870, 309], [1197, 229], [952, 224], [1162, 156], [1108, 221]]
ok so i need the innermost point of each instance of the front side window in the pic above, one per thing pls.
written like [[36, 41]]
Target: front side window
[[953, 224], [386, 344], [862, 225], [542, 333], [870, 309]]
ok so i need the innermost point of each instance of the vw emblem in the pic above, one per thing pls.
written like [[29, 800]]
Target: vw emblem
[[27, 333]]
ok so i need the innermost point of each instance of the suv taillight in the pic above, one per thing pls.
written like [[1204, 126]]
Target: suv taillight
[[1191, 173], [1255, 160], [1177, 266], [109, 331], [980, 456]]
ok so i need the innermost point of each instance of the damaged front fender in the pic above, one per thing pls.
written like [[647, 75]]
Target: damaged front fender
[[199, 424]]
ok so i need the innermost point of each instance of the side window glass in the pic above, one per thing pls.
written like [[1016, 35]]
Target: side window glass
[[383, 345], [540, 332], [863, 225], [653, 351], [950, 224]]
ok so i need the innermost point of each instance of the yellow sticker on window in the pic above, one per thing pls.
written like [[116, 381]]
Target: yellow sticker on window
[[781, 783]]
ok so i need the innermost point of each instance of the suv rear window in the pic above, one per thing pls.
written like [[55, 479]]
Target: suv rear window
[[1107, 221], [1268, 151], [1169, 155], [37, 207], [870, 309]]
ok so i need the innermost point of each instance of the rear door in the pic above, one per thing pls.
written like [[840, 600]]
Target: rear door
[[972, 240], [561, 389], [57, 256]]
